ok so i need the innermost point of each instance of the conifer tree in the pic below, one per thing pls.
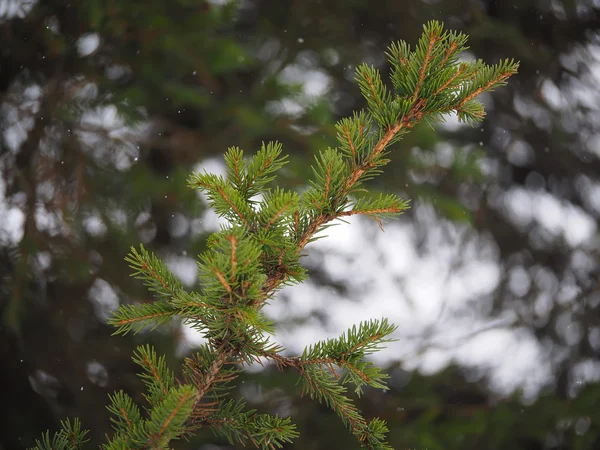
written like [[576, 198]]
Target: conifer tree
[[258, 252]]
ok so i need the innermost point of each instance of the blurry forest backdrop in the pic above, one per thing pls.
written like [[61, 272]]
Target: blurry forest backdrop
[[107, 106]]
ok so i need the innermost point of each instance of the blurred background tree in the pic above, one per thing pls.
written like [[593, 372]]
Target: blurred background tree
[[106, 107]]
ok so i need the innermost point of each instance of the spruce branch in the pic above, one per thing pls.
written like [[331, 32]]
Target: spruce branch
[[262, 430], [385, 206], [429, 84], [322, 385], [258, 252], [157, 377], [168, 418], [224, 198], [355, 136], [161, 281], [138, 317], [263, 166], [126, 414], [156, 276], [438, 86], [70, 437], [347, 352]]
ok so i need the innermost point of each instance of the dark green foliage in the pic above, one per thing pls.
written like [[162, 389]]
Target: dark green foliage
[[258, 252]]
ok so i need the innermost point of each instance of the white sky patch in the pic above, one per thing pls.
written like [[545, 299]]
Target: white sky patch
[[106, 117], [315, 84], [520, 153], [13, 219], [209, 222], [192, 339], [587, 371], [49, 221], [553, 95], [451, 122], [312, 300], [103, 298], [593, 143], [94, 225], [213, 165], [508, 355], [19, 119], [557, 217], [11, 225], [118, 217], [425, 291], [526, 107], [478, 277], [285, 106], [44, 260], [433, 361], [102, 129], [88, 44], [178, 225], [184, 268], [10, 9], [97, 373]]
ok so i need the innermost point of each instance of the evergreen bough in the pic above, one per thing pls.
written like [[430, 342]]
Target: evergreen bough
[[258, 252]]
